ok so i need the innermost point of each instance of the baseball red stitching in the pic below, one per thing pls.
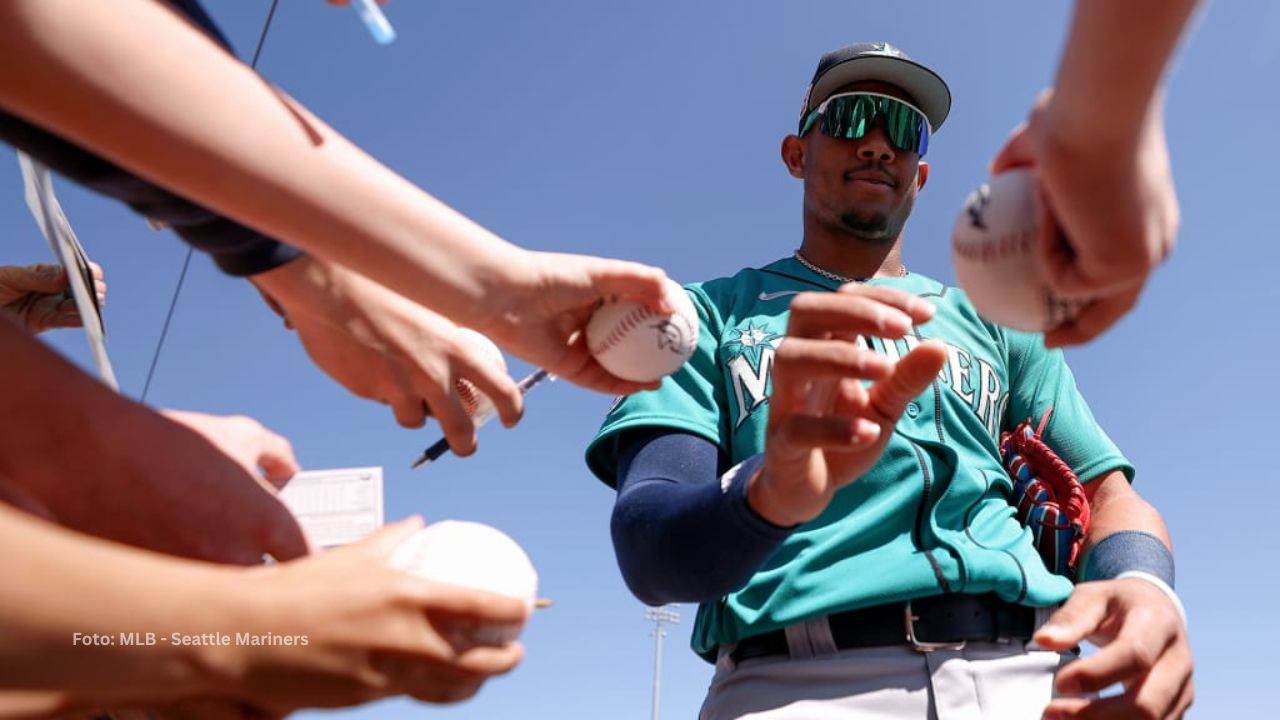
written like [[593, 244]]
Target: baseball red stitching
[[1001, 248], [626, 325], [468, 396]]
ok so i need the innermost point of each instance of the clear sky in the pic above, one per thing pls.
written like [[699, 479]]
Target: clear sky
[[650, 131]]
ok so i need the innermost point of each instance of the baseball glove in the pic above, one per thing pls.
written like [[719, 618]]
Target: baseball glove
[[1047, 496]]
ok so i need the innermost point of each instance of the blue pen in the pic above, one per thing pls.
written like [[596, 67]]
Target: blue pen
[[373, 19]]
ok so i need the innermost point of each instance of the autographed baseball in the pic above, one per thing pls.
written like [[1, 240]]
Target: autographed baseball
[[635, 343], [993, 245], [476, 402], [473, 555]]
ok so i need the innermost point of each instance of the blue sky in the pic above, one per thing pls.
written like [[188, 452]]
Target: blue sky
[[650, 131]]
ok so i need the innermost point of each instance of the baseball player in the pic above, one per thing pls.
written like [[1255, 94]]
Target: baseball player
[[824, 478]]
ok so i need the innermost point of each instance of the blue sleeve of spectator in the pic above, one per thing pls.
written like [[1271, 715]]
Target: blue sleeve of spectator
[[236, 249], [678, 535]]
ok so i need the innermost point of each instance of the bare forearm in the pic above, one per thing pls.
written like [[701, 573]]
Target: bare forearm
[[72, 588], [134, 82], [1115, 54], [47, 410], [1115, 507]]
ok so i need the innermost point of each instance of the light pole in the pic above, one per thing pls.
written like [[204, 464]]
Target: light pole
[[658, 616]]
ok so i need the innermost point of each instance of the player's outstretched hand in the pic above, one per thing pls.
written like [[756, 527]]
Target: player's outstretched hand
[[1143, 645], [825, 427], [36, 296], [1109, 211], [543, 313], [382, 346], [371, 631]]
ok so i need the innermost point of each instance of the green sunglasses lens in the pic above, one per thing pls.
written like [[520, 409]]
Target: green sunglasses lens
[[849, 117], [852, 116]]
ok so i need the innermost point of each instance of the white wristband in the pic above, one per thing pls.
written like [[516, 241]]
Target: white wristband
[[1162, 585]]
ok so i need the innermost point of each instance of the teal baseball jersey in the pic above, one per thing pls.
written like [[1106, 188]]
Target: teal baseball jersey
[[934, 515]]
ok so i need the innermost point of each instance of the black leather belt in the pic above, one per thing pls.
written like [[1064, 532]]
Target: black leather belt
[[942, 621]]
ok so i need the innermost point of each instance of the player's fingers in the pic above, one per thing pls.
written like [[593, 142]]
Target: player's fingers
[[1185, 699], [1131, 655], [816, 315], [1066, 708], [851, 398], [825, 433], [918, 308], [1079, 617], [804, 359], [911, 376], [1162, 690], [1114, 707]]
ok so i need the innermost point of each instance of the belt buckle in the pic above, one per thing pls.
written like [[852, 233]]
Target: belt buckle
[[920, 645]]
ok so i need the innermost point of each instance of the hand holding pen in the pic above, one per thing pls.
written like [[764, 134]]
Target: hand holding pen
[[441, 446]]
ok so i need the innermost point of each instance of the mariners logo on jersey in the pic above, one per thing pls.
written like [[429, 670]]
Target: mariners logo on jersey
[[748, 358], [748, 355]]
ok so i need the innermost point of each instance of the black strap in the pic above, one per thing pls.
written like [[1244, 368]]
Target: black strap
[[939, 619]]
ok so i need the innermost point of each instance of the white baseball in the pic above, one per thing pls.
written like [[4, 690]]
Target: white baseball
[[471, 555], [477, 403], [635, 343], [993, 245]]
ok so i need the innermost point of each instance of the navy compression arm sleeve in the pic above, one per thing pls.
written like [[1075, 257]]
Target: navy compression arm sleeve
[[678, 535]]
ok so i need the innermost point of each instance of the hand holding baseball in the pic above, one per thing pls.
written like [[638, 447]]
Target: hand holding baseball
[[475, 556], [1113, 202], [825, 427], [546, 303], [637, 343], [372, 630], [994, 243]]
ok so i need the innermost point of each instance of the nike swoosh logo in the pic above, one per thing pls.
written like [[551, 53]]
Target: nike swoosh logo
[[775, 295]]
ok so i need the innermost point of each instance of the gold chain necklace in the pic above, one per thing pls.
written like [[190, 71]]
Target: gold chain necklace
[[902, 272]]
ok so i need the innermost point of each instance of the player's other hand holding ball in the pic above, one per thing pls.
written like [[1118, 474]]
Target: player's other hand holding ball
[[826, 427], [1110, 195]]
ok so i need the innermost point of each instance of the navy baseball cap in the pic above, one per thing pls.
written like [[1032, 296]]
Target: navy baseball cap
[[886, 63]]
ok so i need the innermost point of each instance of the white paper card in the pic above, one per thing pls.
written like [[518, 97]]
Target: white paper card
[[53, 223], [336, 507]]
